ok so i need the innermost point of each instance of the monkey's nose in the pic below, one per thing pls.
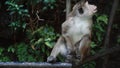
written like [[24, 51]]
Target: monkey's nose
[[95, 8]]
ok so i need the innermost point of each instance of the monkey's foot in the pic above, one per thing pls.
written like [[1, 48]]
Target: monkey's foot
[[68, 58], [51, 59]]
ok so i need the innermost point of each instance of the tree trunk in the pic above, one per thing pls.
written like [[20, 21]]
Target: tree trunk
[[106, 43], [68, 7]]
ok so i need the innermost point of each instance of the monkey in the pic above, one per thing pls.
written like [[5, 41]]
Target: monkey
[[76, 33]]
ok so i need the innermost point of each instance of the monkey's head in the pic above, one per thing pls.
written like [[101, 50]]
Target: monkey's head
[[84, 9]]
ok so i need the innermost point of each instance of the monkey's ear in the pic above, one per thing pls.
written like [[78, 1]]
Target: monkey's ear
[[79, 4], [76, 6]]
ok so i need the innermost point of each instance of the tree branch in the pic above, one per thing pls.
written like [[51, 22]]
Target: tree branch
[[96, 56], [68, 7], [103, 53], [76, 62]]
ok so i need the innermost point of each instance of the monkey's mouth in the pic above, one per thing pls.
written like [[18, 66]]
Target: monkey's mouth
[[92, 8], [95, 10]]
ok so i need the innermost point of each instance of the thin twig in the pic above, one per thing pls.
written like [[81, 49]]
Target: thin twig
[[39, 17]]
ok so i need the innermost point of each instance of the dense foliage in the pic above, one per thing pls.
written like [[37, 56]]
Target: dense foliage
[[40, 43], [38, 39]]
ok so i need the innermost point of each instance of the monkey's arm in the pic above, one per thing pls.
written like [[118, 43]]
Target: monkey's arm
[[69, 42]]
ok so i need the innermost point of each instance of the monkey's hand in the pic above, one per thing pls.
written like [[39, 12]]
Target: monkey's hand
[[51, 59], [68, 58]]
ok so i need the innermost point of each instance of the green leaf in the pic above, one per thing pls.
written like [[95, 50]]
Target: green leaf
[[103, 18], [53, 1], [44, 8], [46, 1], [51, 7], [5, 59], [48, 44], [24, 25], [11, 13], [47, 53], [31, 58], [11, 49], [25, 10], [38, 41], [21, 6], [7, 2], [93, 45], [20, 12], [1, 50], [43, 49], [118, 40], [48, 39]]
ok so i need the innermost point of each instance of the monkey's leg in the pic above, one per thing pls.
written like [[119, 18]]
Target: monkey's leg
[[69, 44], [58, 48], [70, 49], [84, 48]]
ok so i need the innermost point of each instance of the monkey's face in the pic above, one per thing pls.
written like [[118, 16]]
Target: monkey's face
[[87, 10]]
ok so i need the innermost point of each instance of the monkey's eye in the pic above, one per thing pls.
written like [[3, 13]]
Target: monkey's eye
[[80, 10]]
